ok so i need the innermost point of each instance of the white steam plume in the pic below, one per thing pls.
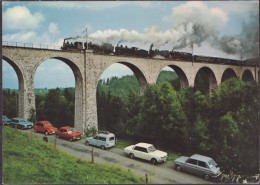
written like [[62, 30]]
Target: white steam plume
[[193, 23]]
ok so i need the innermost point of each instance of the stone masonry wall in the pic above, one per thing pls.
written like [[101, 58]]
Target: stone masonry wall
[[88, 68]]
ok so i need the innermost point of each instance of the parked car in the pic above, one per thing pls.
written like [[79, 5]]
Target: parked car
[[5, 120], [21, 123], [103, 139], [147, 152], [68, 133], [198, 164], [45, 127]]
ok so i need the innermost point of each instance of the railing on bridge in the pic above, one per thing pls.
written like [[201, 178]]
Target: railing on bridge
[[30, 45]]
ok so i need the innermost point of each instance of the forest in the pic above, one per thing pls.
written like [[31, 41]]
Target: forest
[[223, 125]]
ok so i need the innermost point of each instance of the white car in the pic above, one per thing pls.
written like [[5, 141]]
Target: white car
[[147, 152]]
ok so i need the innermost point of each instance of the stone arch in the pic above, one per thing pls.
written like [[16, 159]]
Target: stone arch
[[79, 100], [182, 76], [139, 75], [228, 73], [21, 84], [247, 76], [211, 80]]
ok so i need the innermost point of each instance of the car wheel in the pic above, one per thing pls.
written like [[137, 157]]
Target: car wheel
[[103, 147], [178, 168], [46, 133], [87, 143], [70, 139], [35, 130], [206, 177], [57, 136], [153, 161], [131, 155]]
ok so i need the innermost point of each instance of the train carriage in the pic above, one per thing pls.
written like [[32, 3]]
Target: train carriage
[[109, 49]]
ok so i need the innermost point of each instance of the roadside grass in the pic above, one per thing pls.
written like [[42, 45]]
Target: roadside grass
[[31, 160], [122, 143]]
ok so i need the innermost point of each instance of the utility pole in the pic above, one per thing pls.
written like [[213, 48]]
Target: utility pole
[[86, 31], [192, 53], [241, 54], [192, 47]]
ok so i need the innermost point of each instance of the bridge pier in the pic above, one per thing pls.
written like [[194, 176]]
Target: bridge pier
[[28, 97]]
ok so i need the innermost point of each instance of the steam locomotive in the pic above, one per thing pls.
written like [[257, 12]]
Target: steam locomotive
[[109, 49], [105, 48], [133, 51]]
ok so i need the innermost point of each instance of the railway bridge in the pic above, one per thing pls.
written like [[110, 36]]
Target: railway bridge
[[88, 67]]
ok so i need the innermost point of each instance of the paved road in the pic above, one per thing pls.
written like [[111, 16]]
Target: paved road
[[157, 174]]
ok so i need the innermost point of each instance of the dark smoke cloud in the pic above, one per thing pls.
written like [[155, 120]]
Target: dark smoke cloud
[[196, 36], [246, 44], [228, 44], [250, 34]]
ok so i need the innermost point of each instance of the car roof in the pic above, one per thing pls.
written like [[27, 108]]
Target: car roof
[[146, 145], [200, 157], [66, 127], [44, 122], [18, 118], [106, 135]]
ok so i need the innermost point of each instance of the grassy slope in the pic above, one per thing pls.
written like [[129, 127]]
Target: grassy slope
[[30, 160]]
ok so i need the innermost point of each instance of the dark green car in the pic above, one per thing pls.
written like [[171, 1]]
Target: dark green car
[[21, 123], [5, 120]]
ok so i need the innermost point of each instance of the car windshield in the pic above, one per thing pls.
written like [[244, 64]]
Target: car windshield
[[152, 148], [212, 163], [47, 124], [71, 130]]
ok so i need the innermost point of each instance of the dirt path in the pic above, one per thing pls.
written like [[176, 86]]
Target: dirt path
[[158, 174]]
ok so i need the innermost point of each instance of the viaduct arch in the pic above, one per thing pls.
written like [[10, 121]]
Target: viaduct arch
[[180, 73], [21, 84], [228, 73], [247, 76], [207, 73], [87, 69], [139, 75]]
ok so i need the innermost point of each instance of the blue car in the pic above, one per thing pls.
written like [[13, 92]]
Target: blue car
[[103, 140], [21, 123], [5, 120]]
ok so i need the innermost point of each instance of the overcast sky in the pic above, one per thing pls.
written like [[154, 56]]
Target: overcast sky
[[215, 28]]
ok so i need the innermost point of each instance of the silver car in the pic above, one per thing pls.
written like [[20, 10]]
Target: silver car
[[198, 164]]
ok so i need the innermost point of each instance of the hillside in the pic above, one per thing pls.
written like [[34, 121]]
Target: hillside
[[122, 86], [30, 160]]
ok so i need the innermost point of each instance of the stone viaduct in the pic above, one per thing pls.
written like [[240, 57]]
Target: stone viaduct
[[88, 68]]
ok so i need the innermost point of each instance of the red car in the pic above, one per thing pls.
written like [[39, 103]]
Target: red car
[[44, 127], [68, 133]]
